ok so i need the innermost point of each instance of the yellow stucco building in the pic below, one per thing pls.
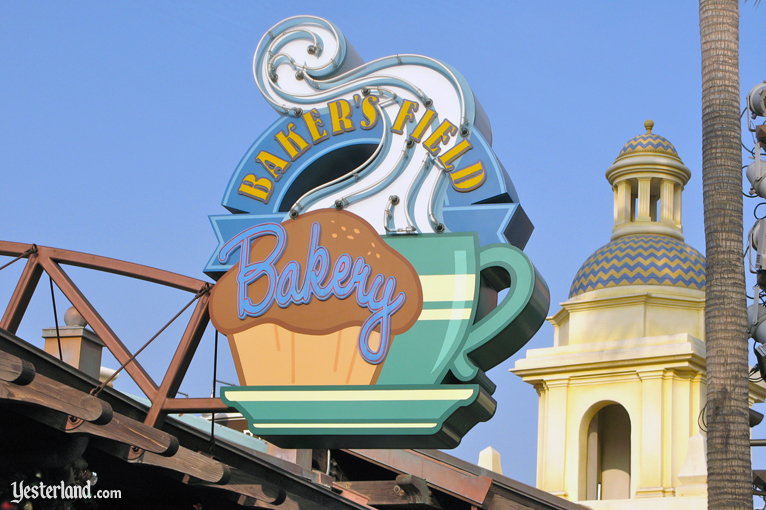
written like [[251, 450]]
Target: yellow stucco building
[[621, 390]]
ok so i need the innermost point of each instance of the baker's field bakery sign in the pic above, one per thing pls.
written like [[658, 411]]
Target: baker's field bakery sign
[[372, 229]]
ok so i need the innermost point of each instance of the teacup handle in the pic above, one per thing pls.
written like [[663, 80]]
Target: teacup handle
[[504, 330]]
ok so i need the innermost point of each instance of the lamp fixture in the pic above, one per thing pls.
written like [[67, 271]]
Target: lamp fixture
[[756, 100]]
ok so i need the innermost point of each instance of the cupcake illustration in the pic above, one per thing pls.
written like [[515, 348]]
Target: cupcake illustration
[[316, 300]]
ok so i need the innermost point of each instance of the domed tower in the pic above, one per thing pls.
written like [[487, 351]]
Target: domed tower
[[621, 390]]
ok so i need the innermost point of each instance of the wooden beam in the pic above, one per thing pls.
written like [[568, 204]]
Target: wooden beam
[[109, 265], [49, 393], [198, 470], [196, 405], [15, 370], [120, 429], [125, 268], [186, 462], [406, 490], [181, 360], [130, 432], [22, 294], [242, 483], [444, 477], [351, 495]]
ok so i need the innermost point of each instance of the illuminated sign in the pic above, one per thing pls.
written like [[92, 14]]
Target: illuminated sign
[[373, 228]]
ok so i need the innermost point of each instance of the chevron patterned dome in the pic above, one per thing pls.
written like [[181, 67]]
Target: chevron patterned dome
[[648, 144], [641, 259]]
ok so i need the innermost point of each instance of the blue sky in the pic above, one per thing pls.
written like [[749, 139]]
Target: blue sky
[[122, 123]]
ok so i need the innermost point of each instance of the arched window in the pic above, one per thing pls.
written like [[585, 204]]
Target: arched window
[[608, 454]]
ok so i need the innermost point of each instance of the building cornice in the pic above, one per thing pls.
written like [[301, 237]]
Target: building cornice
[[666, 351]]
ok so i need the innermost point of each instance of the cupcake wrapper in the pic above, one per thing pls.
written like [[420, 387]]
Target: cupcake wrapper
[[268, 355]]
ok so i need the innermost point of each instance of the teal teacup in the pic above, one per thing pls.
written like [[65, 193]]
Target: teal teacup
[[448, 336]]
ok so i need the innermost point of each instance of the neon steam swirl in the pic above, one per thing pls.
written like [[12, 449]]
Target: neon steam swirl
[[304, 62]]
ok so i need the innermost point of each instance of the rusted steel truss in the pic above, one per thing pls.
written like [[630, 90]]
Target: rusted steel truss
[[44, 259]]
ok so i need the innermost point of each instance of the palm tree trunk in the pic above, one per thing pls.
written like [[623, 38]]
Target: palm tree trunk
[[728, 440]]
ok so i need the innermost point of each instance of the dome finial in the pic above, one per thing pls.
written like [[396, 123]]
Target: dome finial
[[649, 125], [73, 318]]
